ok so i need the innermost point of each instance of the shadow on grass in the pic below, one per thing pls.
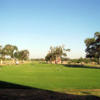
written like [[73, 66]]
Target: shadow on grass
[[81, 66], [10, 91], [6, 85]]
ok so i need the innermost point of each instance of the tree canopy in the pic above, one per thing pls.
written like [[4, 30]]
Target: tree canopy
[[93, 47], [13, 52], [55, 53]]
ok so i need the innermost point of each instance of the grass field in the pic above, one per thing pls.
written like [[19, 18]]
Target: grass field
[[52, 77]]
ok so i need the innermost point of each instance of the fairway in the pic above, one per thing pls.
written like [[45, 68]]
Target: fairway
[[51, 76]]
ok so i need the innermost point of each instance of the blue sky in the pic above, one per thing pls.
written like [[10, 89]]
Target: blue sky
[[37, 24]]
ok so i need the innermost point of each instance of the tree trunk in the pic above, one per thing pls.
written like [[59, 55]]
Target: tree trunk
[[13, 60], [61, 60], [50, 61], [56, 60], [99, 60], [1, 62], [23, 61]]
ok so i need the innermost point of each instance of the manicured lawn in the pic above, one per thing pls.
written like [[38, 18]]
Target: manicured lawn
[[51, 77]]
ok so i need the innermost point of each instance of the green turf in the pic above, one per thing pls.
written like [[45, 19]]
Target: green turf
[[51, 77]]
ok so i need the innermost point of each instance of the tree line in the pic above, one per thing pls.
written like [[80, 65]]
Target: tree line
[[11, 52], [56, 54]]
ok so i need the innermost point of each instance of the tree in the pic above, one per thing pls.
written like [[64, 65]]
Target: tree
[[93, 47], [56, 53], [22, 55], [12, 52], [17, 55], [0, 51], [9, 50], [0, 54], [50, 57]]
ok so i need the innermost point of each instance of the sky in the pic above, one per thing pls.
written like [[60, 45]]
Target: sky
[[38, 24]]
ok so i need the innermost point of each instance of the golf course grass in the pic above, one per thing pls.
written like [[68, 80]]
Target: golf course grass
[[51, 77]]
